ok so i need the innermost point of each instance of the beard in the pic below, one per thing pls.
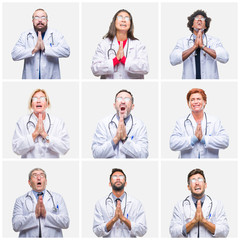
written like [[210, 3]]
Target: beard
[[42, 29], [118, 188], [198, 195]]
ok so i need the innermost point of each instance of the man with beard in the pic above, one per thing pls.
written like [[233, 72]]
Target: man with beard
[[121, 135], [199, 52], [40, 48], [118, 214], [198, 215]]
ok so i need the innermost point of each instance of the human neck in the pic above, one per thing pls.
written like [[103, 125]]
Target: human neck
[[121, 36], [198, 116], [198, 197], [118, 194], [43, 115]]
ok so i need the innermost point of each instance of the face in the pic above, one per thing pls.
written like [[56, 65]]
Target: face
[[123, 22], [196, 102], [39, 102], [40, 24], [118, 181], [199, 23], [123, 104], [197, 185], [38, 181]]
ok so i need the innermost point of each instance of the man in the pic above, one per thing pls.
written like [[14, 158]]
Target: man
[[40, 135], [118, 214], [121, 135], [40, 213], [198, 215], [199, 52], [40, 48], [199, 135]]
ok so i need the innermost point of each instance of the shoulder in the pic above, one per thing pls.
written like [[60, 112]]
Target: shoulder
[[137, 121], [55, 119], [24, 119], [102, 201], [133, 200], [211, 38], [54, 194], [211, 118], [22, 198], [28, 32]]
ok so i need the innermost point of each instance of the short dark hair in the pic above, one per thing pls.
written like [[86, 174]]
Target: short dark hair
[[196, 171], [117, 170], [124, 90], [196, 13]]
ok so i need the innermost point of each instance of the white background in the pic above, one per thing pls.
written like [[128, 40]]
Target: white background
[[64, 105], [223, 26], [96, 19], [61, 16]]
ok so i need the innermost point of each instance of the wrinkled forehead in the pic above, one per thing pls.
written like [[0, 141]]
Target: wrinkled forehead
[[39, 13], [196, 176], [39, 93], [124, 94], [199, 16], [37, 172], [195, 95], [124, 14], [118, 174]]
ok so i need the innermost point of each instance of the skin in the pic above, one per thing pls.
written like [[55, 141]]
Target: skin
[[197, 189], [198, 25], [40, 26], [39, 109], [121, 133], [197, 105], [118, 211], [40, 210], [122, 28]]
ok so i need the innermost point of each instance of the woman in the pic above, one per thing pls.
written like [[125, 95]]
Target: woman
[[120, 54], [40, 135]]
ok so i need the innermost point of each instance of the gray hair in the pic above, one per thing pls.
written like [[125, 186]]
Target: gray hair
[[35, 169]]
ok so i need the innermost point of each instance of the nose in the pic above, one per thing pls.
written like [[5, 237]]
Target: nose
[[38, 177]]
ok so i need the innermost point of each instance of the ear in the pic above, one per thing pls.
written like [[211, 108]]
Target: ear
[[188, 187], [205, 185], [114, 105], [110, 184], [132, 106], [125, 184], [29, 182]]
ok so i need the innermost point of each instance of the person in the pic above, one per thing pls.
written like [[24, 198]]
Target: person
[[120, 55], [40, 135], [199, 52], [198, 216], [199, 135], [40, 48], [121, 135], [40, 213], [118, 214]]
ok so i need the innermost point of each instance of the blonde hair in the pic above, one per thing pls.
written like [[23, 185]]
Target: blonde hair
[[38, 90], [40, 9]]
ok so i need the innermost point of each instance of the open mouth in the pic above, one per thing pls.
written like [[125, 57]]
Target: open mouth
[[123, 25], [38, 106], [39, 184], [198, 189]]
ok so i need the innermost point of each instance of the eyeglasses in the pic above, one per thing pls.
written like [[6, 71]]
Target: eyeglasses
[[200, 18], [120, 99], [114, 177], [41, 175], [37, 18], [42, 99], [120, 18], [194, 180]]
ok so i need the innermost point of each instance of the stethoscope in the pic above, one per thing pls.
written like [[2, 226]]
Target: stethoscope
[[114, 52], [186, 201], [188, 120], [191, 39], [51, 43], [109, 198], [33, 124], [112, 122], [55, 208]]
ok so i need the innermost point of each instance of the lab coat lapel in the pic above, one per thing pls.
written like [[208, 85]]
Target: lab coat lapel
[[47, 198], [115, 45], [206, 207]]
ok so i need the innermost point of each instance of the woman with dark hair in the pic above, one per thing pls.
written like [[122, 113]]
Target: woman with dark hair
[[120, 55]]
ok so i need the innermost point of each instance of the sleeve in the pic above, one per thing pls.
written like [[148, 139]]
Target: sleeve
[[176, 55], [178, 140], [60, 219], [59, 140], [139, 225], [22, 143], [219, 140], [176, 225], [99, 225], [221, 224], [139, 63], [137, 146], [102, 146], [60, 47], [100, 64], [222, 54], [20, 221], [20, 50]]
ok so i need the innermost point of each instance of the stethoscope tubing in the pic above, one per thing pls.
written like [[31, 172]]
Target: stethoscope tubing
[[111, 49]]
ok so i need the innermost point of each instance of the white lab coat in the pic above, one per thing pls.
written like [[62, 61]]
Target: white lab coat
[[105, 210], [215, 139], [55, 47], [209, 69], [24, 219], [135, 67], [184, 213], [136, 146], [24, 145]]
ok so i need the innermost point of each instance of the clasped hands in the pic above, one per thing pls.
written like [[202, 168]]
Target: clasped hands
[[198, 132], [40, 210], [39, 45], [39, 130], [118, 213], [121, 133]]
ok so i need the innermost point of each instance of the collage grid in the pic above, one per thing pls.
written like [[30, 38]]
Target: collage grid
[[82, 100]]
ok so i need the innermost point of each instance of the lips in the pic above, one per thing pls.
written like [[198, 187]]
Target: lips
[[39, 184]]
